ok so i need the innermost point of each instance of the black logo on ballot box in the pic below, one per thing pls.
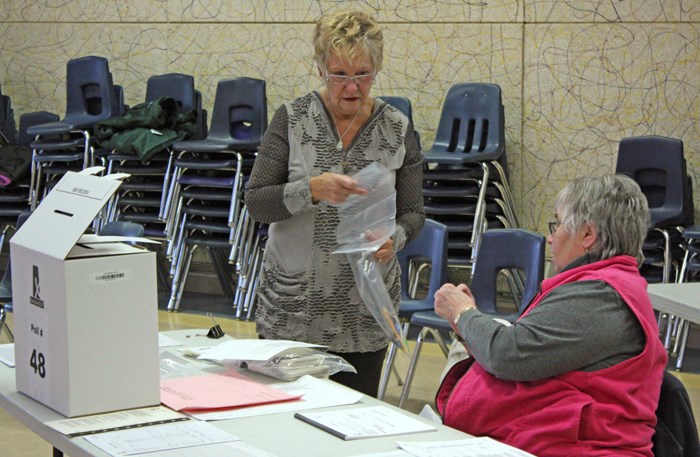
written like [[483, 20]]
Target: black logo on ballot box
[[35, 298]]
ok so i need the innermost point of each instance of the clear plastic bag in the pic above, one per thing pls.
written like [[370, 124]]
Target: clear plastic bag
[[366, 223], [175, 366], [370, 285], [293, 364]]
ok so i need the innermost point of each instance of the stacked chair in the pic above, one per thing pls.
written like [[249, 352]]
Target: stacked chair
[[6, 285], [658, 165], [15, 198], [68, 144], [689, 272], [141, 198], [465, 180], [8, 130], [516, 253], [205, 199]]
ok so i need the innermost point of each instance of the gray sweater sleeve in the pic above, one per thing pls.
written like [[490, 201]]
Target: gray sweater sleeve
[[410, 214], [264, 196], [583, 325]]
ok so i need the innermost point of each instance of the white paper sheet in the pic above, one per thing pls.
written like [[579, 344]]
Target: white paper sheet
[[316, 393], [166, 341], [470, 447], [118, 420], [252, 349], [399, 453], [159, 438], [357, 423], [237, 449], [7, 354]]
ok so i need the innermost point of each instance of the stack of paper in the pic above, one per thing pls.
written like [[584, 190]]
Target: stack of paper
[[218, 391]]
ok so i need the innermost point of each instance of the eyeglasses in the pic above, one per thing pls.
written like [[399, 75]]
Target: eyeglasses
[[553, 226], [342, 80]]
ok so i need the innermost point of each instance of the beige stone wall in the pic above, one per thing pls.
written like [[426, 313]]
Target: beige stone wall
[[577, 76]]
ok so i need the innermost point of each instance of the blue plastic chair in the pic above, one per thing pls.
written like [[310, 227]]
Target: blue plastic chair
[[519, 254], [430, 246], [470, 127]]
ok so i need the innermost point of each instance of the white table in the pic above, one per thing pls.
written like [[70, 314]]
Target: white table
[[279, 434], [682, 300]]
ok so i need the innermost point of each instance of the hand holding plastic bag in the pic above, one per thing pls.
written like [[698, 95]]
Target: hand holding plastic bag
[[366, 223]]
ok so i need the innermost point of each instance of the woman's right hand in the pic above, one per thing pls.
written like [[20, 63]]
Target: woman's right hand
[[334, 188], [450, 300]]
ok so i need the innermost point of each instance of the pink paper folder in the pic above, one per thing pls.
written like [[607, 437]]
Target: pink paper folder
[[218, 391]]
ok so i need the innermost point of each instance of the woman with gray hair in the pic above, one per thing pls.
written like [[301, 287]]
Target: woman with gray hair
[[303, 170], [579, 372]]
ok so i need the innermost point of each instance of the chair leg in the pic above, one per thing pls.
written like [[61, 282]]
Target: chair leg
[[685, 329], [414, 360], [680, 328], [180, 277], [3, 323], [412, 366], [389, 366], [386, 372]]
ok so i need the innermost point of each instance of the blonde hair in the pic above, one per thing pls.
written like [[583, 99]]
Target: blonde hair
[[350, 35]]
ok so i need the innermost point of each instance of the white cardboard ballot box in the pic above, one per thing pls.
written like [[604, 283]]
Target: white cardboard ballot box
[[85, 315]]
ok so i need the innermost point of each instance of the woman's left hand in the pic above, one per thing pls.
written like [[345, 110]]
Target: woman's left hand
[[385, 252]]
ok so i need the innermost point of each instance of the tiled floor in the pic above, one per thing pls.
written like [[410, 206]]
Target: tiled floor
[[18, 441]]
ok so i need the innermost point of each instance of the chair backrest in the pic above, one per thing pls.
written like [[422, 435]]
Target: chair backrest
[[240, 113], [471, 122], [122, 228], [403, 104], [119, 98], [507, 249], [676, 433], [177, 86], [656, 163], [202, 127], [90, 94], [8, 130], [429, 246]]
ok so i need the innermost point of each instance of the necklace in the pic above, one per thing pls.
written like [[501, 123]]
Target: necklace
[[339, 146]]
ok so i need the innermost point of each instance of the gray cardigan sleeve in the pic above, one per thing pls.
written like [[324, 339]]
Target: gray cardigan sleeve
[[264, 195], [583, 325], [410, 213]]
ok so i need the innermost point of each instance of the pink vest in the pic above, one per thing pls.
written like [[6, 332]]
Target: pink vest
[[602, 413]]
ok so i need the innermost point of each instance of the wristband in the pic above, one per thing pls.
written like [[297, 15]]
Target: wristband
[[459, 314]]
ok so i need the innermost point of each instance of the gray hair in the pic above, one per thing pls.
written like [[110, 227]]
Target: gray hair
[[614, 205]]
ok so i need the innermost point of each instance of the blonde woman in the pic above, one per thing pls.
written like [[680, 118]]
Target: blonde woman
[[313, 146]]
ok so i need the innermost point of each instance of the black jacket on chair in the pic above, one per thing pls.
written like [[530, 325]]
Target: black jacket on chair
[[676, 432]]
